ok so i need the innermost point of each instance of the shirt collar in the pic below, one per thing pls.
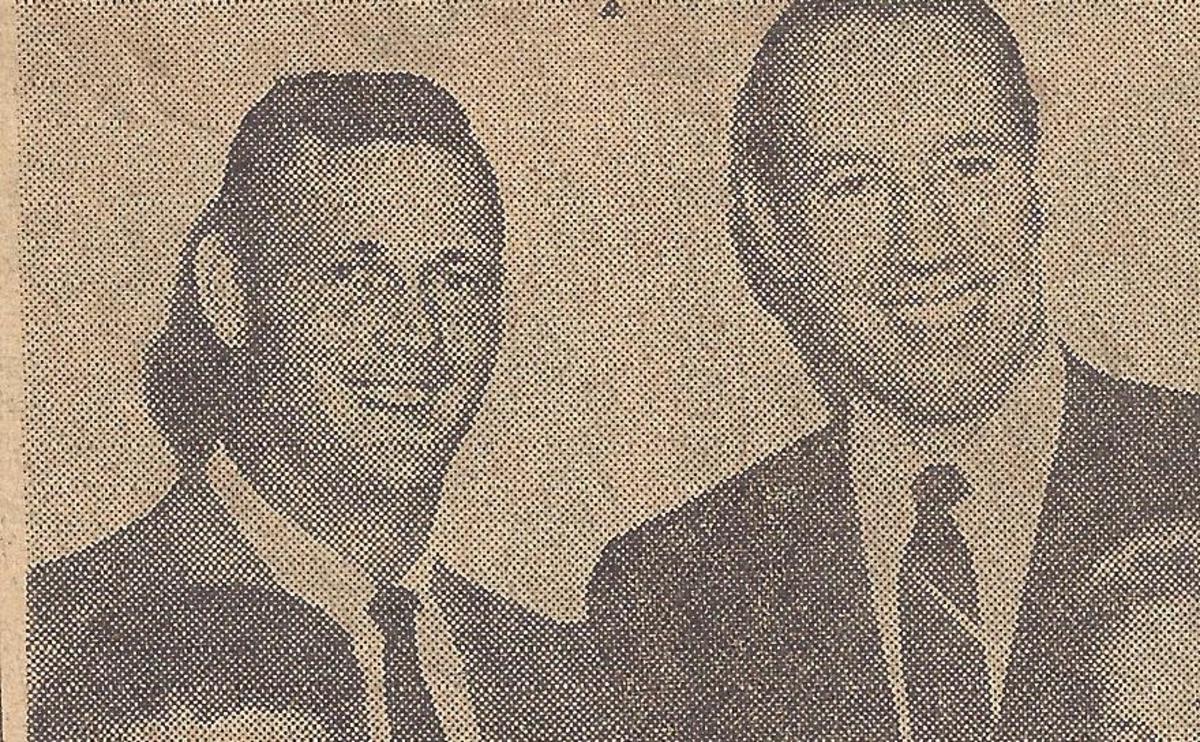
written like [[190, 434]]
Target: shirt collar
[[1013, 450], [301, 563]]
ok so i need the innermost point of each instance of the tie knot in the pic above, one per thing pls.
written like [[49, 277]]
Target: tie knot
[[394, 609], [940, 487]]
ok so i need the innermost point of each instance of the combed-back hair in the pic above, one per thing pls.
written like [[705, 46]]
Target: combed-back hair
[[187, 369], [760, 141]]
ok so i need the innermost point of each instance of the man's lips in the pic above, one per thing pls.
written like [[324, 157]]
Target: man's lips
[[391, 394], [939, 303]]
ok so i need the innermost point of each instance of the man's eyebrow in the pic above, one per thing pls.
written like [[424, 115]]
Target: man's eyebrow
[[365, 248], [458, 255], [844, 157], [817, 165], [974, 139]]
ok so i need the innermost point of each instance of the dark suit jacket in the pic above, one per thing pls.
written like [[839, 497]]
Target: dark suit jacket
[[746, 613], [175, 609]]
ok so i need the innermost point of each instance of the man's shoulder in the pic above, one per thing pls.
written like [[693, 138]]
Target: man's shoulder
[[100, 571], [1129, 451], [1133, 419], [174, 544], [724, 524], [84, 620], [530, 676]]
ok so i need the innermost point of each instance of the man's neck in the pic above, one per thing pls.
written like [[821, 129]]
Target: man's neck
[[944, 440], [382, 529]]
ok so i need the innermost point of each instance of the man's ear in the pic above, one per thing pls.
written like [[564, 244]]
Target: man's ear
[[757, 235], [222, 298], [762, 221], [1038, 214], [771, 242]]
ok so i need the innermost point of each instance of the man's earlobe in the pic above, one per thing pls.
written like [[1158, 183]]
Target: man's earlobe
[[222, 298], [758, 212], [770, 241]]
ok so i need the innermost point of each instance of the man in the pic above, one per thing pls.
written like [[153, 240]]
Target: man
[[335, 324], [1143, 622], [904, 572]]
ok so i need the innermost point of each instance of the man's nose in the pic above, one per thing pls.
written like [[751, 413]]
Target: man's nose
[[923, 230], [406, 316]]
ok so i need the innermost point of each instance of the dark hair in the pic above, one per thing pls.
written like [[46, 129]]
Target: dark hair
[[186, 375], [756, 140]]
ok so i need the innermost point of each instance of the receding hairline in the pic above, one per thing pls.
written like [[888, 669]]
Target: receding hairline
[[864, 32], [805, 22], [794, 44]]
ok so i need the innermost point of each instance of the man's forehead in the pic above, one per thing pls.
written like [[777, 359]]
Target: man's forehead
[[881, 84], [378, 171], [374, 191]]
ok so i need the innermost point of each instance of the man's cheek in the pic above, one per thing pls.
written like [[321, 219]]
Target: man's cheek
[[318, 339], [852, 302], [851, 249], [1001, 239], [468, 339]]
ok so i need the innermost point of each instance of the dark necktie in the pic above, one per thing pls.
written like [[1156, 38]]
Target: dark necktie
[[944, 667], [410, 710]]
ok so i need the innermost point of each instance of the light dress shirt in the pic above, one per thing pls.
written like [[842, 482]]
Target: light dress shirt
[[312, 571], [1006, 458]]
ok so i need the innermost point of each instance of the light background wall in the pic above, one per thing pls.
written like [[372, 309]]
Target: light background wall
[[636, 369]]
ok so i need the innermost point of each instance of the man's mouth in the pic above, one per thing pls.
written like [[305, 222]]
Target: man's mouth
[[392, 395], [939, 304]]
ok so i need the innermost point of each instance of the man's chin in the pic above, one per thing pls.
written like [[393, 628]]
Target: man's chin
[[392, 450], [928, 408], [957, 400], [401, 452], [382, 467], [932, 395]]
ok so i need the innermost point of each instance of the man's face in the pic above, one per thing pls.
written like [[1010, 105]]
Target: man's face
[[912, 218], [1150, 673], [375, 329]]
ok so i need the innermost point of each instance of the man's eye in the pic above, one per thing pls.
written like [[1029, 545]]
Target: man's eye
[[345, 270], [461, 275], [843, 184], [973, 166], [354, 275], [461, 271]]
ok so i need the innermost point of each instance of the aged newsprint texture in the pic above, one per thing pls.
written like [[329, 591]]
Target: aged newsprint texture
[[600, 370]]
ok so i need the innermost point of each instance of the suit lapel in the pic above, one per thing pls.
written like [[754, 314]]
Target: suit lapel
[[791, 637], [1089, 495], [211, 625], [510, 656], [852, 682], [192, 534]]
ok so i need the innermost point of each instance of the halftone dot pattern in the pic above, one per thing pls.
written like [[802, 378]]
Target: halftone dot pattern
[[560, 371], [1143, 608]]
